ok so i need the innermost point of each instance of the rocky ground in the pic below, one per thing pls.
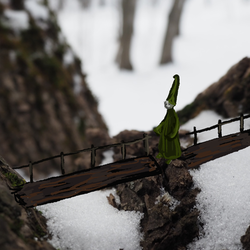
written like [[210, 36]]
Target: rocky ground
[[229, 96], [21, 229], [170, 220]]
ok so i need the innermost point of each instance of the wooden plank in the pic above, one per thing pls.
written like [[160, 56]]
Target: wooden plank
[[213, 149], [82, 182]]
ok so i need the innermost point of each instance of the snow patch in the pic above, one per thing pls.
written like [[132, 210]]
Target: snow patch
[[37, 10], [48, 47], [77, 84], [18, 20], [108, 157], [223, 202], [102, 226], [68, 57], [167, 199]]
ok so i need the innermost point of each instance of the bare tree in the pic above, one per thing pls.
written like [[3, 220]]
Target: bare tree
[[60, 5], [128, 13], [17, 4], [173, 30], [84, 3]]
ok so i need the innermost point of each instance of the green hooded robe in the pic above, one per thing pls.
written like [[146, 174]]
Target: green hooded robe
[[169, 144]]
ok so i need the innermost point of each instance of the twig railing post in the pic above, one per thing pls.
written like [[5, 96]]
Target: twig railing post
[[219, 129], [241, 123], [145, 142], [93, 153], [195, 136], [62, 163], [123, 150], [31, 171]]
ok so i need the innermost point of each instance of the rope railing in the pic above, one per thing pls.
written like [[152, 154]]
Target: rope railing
[[219, 126], [93, 149]]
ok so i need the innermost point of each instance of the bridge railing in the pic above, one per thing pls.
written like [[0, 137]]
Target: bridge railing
[[219, 127], [93, 149]]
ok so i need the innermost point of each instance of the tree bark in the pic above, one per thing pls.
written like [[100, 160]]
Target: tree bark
[[17, 4], [60, 5], [128, 13], [173, 30], [85, 3]]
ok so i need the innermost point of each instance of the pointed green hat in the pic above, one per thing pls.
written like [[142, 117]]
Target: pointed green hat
[[172, 96]]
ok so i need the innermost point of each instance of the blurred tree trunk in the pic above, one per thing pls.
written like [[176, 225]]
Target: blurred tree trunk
[[101, 2], [17, 4], [173, 30], [128, 13], [60, 5], [85, 3]]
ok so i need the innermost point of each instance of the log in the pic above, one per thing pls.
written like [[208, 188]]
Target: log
[[215, 148], [85, 181]]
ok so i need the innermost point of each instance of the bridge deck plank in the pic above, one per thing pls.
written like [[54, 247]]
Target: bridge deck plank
[[82, 182], [215, 148]]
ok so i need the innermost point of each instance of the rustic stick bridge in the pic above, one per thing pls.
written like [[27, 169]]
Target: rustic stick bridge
[[68, 185]]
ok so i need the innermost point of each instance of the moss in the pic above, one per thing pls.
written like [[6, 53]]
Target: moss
[[16, 226], [60, 51], [32, 38], [40, 212], [185, 114], [15, 180], [78, 64], [51, 68], [53, 27], [1, 9], [39, 233], [6, 42], [45, 3], [24, 64]]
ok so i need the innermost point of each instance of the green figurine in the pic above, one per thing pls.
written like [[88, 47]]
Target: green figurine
[[169, 144]]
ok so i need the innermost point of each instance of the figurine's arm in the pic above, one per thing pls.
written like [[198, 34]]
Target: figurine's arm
[[176, 127], [158, 129]]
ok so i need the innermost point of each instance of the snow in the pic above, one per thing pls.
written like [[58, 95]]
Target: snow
[[36, 9], [224, 201], [108, 156], [77, 83], [48, 46], [224, 198], [89, 222], [18, 20], [209, 118], [68, 57], [214, 36]]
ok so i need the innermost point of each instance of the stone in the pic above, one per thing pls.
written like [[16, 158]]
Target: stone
[[170, 220], [111, 200], [229, 96], [19, 226], [245, 239], [179, 179]]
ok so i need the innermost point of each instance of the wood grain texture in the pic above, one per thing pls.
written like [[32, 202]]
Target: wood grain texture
[[82, 182], [213, 149]]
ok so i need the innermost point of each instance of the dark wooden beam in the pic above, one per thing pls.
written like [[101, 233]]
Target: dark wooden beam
[[213, 149], [82, 182]]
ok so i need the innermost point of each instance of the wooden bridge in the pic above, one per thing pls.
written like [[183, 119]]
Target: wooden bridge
[[81, 182]]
